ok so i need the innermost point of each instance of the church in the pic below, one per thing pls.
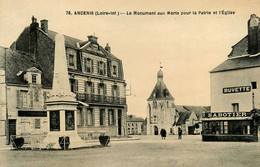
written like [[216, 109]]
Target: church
[[161, 108]]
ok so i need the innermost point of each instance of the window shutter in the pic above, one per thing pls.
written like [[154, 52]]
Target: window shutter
[[92, 88], [31, 98], [98, 67], [104, 68], [85, 64], [18, 98], [105, 89], [76, 86], [118, 91], [112, 90], [99, 89], [85, 86], [92, 66]]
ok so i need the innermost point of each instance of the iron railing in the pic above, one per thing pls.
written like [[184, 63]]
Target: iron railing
[[91, 98]]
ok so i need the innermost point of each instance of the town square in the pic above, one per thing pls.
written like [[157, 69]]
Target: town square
[[105, 84]]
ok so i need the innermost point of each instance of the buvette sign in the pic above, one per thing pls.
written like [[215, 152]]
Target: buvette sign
[[226, 114], [238, 89]]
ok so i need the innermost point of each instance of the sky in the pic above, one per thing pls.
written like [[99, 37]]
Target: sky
[[187, 45]]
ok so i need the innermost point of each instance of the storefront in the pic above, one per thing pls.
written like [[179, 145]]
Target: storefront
[[228, 126]]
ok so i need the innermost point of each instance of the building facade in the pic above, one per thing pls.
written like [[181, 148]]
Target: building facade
[[235, 90], [161, 108], [189, 119], [96, 77], [135, 125]]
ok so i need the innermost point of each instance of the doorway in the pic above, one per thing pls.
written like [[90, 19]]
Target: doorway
[[119, 122], [155, 130], [12, 128]]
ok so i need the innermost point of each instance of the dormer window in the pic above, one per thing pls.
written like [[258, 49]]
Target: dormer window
[[101, 68], [88, 65], [114, 70], [34, 78], [71, 60]]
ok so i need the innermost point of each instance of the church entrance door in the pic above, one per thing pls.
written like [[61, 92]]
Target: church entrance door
[[155, 130]]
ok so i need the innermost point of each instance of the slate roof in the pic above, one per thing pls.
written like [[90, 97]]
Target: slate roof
[[16, 61], [185, 112], [72, 43], [160, 90], [238, 58], [132, 118]]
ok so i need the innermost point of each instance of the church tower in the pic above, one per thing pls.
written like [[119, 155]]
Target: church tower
[[161, 111]]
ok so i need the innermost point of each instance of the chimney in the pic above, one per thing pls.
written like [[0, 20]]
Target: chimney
[[34, 24], [253, 35], [93, 39], [44, 25], [33, 36], [107, 48]]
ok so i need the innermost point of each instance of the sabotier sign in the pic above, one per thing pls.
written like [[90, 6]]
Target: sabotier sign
[[226, 114], [237, 89]]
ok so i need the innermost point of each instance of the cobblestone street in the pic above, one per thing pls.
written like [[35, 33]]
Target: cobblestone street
[[148, 151]]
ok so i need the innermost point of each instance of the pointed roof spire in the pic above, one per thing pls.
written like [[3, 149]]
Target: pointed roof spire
[[160, 90]]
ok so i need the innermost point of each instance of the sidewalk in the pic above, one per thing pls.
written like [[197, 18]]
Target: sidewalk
[[89, 143]]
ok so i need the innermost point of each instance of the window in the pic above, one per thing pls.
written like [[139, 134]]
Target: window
[[101, 68], [34, 78], [37, 124], [102, 116], [21, 96], [102, 89], [235, 107], [71, 60], [111, 119], [114, 70], [90, 117], [88, 65], [73, 85], [226, 127], [89, 87], [254, 85], [115, 91]]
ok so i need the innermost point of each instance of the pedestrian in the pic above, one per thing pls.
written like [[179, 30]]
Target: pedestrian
[[163, 133], [179, 133]]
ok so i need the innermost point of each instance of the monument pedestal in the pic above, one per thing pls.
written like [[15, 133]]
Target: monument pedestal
[[62, 118]]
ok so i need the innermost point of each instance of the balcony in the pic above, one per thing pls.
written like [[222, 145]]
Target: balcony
[[90, 98]]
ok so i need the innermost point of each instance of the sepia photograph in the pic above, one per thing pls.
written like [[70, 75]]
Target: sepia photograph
[[129, 83]]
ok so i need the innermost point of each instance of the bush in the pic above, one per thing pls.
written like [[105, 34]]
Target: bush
[[104, 140], [64, 142], [18, 142]]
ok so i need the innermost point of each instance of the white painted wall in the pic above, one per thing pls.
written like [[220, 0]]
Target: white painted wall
[[223, 102]]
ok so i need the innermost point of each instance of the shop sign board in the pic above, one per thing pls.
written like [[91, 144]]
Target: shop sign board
[[238, 89], [226, 114]]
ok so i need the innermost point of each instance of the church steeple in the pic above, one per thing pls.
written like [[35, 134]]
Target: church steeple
[[160, 90]]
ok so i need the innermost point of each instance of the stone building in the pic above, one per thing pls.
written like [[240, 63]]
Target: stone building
[[161, 108], [189, 119], [134, 125], [96, 77], [235, 90]]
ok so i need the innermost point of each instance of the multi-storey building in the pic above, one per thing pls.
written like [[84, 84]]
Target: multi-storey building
[[96, 77], [134, 125], [235, 90]]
